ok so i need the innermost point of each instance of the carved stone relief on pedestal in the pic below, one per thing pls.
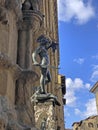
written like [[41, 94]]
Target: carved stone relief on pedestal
[[44, 115]]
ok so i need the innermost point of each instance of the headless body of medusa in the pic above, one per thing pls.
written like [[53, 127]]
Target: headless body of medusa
[[44, 64]]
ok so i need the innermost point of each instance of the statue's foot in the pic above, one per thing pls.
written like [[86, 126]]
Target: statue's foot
[[42, 92]]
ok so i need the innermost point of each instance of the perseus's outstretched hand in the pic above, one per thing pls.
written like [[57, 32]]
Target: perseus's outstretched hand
[[53, 45]]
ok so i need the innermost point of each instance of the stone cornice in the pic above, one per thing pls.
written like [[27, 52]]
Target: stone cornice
[[93, 89]]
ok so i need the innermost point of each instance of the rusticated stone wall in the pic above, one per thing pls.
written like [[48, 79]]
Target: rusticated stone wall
[[17, 76], [15, 115]]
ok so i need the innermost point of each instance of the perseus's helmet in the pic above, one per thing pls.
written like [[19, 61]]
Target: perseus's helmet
[[43, 40]]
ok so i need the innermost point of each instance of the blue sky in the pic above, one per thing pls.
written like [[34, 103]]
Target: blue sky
[[78, 36]]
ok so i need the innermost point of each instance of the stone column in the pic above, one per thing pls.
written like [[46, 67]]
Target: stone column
[[45, 115], [25, 40], [24, 60]]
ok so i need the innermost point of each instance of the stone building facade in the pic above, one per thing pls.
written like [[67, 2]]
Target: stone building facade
[[20, 25], [90, 123], [94, 90]]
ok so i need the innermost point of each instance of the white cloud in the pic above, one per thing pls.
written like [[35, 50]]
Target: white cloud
[[88, 86], [94, 76], [79, 60], [78, 83], [90, 109], [74, 84], [66, 112], [95, 56], [72, 87], [77, 112], [95, 67], [70, 98], [75, 9]]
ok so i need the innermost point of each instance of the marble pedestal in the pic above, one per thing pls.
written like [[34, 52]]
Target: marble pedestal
[[45, 115]]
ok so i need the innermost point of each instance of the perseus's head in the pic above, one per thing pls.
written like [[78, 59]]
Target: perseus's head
[[43, 40]]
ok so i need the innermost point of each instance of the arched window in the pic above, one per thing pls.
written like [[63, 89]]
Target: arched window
[[90, 125]]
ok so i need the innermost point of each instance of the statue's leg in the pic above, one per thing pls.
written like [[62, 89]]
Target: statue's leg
[[48, 78], [42, 84], [42, 79]]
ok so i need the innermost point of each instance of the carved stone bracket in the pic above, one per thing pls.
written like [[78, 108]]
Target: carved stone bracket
[[28, 75], [5, 61], [18, 72]]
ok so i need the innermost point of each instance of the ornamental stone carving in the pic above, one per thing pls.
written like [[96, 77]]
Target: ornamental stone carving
[[45, 112], [8, 5], [3, 15]]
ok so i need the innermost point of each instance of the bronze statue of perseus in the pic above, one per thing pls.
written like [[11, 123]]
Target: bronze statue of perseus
[[42, 51]]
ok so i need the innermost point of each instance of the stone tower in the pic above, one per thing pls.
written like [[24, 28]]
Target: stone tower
[[21, 22]]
